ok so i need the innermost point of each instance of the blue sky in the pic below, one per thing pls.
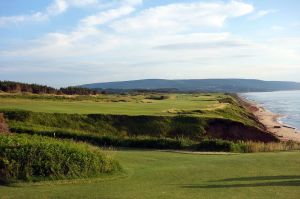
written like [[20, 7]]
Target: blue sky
[[71, 42]]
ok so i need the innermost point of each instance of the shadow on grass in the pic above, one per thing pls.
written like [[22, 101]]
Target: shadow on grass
[[3, 183], [268, 181], [257, 178]]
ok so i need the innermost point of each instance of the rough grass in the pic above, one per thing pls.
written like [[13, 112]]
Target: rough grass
[[186, 126], [252, 147], [165, 175], [34, 158], [245, 146], [112, 125], [148, 142], [112, 141]]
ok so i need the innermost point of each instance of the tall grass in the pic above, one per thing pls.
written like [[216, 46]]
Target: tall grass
[[245, 146], [251, 147], [34, 158]]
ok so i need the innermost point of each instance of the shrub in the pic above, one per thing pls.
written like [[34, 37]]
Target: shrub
[[157, 97], [34, 158], [218, 145]]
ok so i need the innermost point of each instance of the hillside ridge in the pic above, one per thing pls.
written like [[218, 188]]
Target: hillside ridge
[[210, 85]]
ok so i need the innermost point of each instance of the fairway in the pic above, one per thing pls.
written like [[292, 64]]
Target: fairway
[[112, 104], [155, 174]]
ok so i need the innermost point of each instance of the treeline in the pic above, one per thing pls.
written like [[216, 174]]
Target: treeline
[[77, 91], [16, 87]]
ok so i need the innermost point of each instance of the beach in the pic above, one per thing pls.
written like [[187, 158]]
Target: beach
[[271, 122]]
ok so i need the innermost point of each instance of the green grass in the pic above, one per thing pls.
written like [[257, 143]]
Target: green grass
[[202, 106], [199, 105], [112, 104], [153, 174]]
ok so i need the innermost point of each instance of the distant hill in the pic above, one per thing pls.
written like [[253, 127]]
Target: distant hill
[[210, 85]]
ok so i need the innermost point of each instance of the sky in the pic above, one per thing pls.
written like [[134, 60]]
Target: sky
[[73, 42]]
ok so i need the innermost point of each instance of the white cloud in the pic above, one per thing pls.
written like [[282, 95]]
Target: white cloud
[[261, 13], [277, 28], [106, 16], [295, 24], [131, 2], [60, 6], [55, 8], [183, 16], [79, 3]]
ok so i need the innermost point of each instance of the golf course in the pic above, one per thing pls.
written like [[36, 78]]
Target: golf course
[[140, 145], [149, 99]]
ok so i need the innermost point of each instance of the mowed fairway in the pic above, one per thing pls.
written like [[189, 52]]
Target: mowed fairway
[[131, 105], [155, 174]]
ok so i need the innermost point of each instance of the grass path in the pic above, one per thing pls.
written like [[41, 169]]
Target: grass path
[[156, 174]]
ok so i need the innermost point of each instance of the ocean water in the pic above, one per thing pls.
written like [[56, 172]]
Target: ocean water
[[285, 103]]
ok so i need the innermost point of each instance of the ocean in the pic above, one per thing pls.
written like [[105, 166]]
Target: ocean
[[285, 103]]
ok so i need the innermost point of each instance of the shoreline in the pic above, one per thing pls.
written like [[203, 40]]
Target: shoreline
[[271, 121]]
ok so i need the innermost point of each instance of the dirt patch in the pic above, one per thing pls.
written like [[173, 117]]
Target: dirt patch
[[3, 125], [230, 130]]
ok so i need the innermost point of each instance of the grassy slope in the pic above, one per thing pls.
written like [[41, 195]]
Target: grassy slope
[[153, 174], [131, 115]]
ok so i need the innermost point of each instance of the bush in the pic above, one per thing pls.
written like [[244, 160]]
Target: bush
[[157, 97], [34, 158], [218, 145]]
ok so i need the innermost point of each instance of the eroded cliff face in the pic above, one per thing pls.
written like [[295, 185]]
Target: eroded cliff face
[[231, 130]]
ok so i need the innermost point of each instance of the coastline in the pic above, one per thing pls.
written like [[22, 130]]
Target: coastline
[[271, 121]]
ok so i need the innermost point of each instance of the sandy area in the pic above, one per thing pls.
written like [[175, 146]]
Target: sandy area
[[271, 123]]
